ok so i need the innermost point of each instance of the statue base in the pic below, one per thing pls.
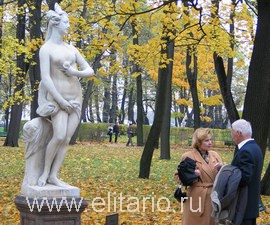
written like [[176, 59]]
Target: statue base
[[50, 190], [50, 210]]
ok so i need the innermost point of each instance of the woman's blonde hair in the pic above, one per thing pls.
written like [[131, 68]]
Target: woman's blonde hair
[[199, 135]]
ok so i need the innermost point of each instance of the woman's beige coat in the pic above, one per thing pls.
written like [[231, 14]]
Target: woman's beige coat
[[197, 208]]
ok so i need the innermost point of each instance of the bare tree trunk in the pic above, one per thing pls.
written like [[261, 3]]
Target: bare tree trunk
[[90, 83], [1, 27], [257, 99], [90, 109], [34, 70], [225, 80], [192, 80], [86, 96], [123, 114], [136, 69], [131, 105], [166, 123], [16, 109], [192, 77], [155, 130], [97, 107], [162, 88], [225, 87], [114, 106], [140, 113], [106, 99], [1, 42], [265, 183], [97, 65]]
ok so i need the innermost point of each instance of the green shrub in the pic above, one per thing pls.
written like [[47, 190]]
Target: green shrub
[[92, 131], [178, 135]]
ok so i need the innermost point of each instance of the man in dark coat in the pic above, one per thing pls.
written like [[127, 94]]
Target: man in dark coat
[[249, 160]]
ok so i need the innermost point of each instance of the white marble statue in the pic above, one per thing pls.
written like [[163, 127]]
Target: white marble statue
[[60, 100]]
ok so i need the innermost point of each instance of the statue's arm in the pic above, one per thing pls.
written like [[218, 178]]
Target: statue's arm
[[85, 69]]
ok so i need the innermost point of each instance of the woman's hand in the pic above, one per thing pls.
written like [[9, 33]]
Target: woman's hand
[[68, 69], [66, 106], [176, 177], [66, 65], [218, 166], [197, 172]]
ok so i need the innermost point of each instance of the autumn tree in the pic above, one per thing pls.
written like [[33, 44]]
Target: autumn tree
[[166, 122], [225, 78], [1, 24], [34, 44], [1, 59], [164, 78], [139, 99], [114, 91], [257, 99], [103, 33], [192, 70], [18, 96], [89, 84]]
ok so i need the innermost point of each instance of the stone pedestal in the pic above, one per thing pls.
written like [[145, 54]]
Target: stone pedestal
[[50, 190], [50, 210]]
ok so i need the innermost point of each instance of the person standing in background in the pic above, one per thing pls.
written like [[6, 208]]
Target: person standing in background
[[116, 131], [110, 132], [249, 160], [130, 134]]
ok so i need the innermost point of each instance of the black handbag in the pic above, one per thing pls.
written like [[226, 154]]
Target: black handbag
[[186, 171], [179, 195]]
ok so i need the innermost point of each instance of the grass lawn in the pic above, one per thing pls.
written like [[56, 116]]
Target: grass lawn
[[109, 171]]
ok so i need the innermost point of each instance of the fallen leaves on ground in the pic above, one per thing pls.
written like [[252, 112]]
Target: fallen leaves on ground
[[107, 174]]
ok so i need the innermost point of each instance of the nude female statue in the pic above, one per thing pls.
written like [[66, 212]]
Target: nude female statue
[[60, 94]]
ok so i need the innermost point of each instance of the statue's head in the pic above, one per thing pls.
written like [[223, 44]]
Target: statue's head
[[54, 19]]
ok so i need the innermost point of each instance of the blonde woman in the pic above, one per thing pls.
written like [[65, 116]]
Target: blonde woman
[[197, 207]]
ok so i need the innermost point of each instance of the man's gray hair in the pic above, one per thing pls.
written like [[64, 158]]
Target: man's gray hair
[[243, 126]]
